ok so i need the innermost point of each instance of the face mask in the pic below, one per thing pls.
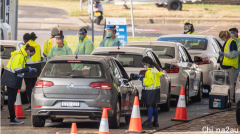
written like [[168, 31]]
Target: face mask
[[186, 31], [109, 34], [28, 56], [145, 66], [80, 37]]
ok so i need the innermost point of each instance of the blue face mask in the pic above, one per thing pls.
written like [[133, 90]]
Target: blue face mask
[[28, 56], [145, 66]]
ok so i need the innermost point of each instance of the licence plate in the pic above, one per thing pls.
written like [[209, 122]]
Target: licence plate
[[97, 14], [70, 104]]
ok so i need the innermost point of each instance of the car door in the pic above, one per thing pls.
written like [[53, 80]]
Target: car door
[[197, 74], [128, 90], [163, 78]]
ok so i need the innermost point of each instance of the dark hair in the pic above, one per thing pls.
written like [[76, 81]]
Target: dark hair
[[234, 30], [28, 36], [30, 48], [114, 28], [60, 33], [191, 27], [83, 29], [149, 60], [224, 33]]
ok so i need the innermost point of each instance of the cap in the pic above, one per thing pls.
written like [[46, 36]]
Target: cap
[[54, 31]]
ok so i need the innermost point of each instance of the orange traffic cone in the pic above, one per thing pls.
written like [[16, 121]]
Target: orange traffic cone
[[74, 128], [104, 129], [18, 107], [181, 111], [57, 132], [126, 104], [135, 125]]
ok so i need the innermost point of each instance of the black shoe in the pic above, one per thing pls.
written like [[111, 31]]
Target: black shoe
[[28, 109], [155, 124], [16, 122], [147, 124]]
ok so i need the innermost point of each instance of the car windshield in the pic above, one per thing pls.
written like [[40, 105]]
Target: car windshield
[[6, 54], [127, 60], [189, 43], [68, 69]]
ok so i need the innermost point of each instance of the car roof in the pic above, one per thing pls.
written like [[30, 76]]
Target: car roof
[[80, 57], [186, 35], [10, 43], [153, 43], [133, 50]]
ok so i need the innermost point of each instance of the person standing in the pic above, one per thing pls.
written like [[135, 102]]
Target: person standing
[[230, 58], [151, 90], [111, 40], [60, 49], [48, 44], [13, 76], [189, 29], [84, 46], [34, 61]]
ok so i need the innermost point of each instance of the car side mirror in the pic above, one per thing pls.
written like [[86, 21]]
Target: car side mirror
[[198, 59], [133, 77]]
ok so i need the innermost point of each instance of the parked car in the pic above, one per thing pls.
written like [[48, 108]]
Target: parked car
[[2, 86], [177, 62], [204, 46], [81, 87], [11, 46], [237, 100], [130, 58]]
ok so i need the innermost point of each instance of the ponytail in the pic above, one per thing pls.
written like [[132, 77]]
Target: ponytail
[[28, 36], [156, 66], [30, 48]]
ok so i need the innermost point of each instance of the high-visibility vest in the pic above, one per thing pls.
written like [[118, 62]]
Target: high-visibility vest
[[17, 61], [191, 33], [151, 80], [36, 58], [229, 61]]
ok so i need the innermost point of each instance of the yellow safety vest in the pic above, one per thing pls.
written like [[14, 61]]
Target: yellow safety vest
[[229, 61], [191, 33], [16, 61], [48, 46], [151, 80], [36, 58]]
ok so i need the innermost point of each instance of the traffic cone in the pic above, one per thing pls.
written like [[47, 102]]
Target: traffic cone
[[126, 104], [104, 129], [135, 125], [18, 107], [74, 128], [181, 111], [57, 132]]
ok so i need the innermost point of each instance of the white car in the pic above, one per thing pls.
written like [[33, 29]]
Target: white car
[[180, 67], [237, 100], [204, 46], [131, 60]]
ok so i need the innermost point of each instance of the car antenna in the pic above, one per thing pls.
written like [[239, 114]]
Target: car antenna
[[76, 56], [118, 44]]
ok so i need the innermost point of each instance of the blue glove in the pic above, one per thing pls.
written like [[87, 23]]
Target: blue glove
[[32, 69], [221, 53], [138, 76]]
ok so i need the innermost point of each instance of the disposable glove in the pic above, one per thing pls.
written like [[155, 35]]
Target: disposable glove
[[32, 69], [221, 53], [138, 76]]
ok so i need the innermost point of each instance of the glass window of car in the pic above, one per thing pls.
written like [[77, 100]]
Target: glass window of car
[[189, 43], [122, 70], [215, 46], [183, 55], [218, 43], [114, 70], [6, 54], [68, 69], [127, 60]]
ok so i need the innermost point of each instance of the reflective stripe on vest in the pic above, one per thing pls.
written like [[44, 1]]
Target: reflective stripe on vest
[[47, 48], [16, 69], [151, 88]]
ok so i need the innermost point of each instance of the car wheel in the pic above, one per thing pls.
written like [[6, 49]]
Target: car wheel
[[114, 121], [127, 119], [187, 93], [2, 95], [57, 120], [174, 5], [198, 98], [24, 97], [38, 121], [238, 116], [166, 106]]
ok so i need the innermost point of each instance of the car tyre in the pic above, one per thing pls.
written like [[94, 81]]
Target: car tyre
[[127, 119], [2, 95], [187, 93], [38, 121], [174, 5], [238, 116], [24, 97], [114, 121], [166, 106], [57, 120], [198, 98]]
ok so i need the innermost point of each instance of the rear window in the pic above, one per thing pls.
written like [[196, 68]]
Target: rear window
[[127, 60], [189, 43], [6, 54], [72, 70]]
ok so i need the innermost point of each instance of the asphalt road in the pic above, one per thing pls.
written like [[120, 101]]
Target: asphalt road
[[194, 110]]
